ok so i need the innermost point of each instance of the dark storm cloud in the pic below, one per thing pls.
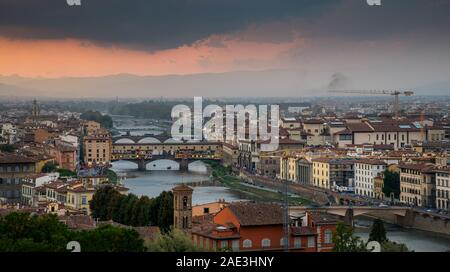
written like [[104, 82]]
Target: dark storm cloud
[[159, 24], [150, 23]]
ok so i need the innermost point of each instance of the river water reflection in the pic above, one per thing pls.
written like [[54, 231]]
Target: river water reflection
[[152, 183]]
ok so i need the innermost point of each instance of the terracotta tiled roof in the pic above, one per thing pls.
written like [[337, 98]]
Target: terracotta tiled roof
[[303, 231], [371, 162], [7, 158], [182, 187], [320, 218], [313, 121], [256, 214], [78, 221], [417, 166], [359, 127]]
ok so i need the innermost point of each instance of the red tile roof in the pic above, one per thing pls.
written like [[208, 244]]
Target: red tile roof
[[257, 214]]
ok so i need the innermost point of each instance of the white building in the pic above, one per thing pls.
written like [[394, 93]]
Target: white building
[[9, 133], [443, 189], [387, 132], [365, 173], [29, 184]]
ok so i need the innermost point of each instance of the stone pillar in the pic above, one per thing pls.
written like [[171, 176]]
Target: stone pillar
[[142, 165], [184, 165], [348, 219]]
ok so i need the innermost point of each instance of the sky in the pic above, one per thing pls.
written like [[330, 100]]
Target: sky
[[400, 44]]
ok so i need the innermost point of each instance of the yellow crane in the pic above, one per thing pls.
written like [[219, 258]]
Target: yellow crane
[[396, 94]]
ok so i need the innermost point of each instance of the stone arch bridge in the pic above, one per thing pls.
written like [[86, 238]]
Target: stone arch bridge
[[347, 213], [144, 150]]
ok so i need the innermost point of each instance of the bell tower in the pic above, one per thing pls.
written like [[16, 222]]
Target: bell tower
[[35, 109], [182, 205]]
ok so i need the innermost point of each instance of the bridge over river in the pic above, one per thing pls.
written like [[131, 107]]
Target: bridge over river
[[146, 149], [408, 217]]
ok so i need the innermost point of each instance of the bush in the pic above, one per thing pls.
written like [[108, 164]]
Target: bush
[[108, 204], [105, 120], [21, 232], [173, 241]]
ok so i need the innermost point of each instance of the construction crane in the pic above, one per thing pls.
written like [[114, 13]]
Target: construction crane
[[396, 94]]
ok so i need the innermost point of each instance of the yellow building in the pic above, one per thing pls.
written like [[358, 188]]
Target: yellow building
[[78, 197], [97, 147], [321, 172], [330, 172], [417, 185], [378, 185], [91, 126], [288, 168]]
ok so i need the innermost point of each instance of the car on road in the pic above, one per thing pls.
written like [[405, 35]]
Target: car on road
[[382, 205]]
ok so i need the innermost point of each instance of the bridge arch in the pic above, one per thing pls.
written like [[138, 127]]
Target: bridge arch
[[197, 166], [149, 140], [124, 141], [172, 141], [125, 165], [163, 164]]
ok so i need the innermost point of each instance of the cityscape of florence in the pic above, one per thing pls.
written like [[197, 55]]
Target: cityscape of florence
[[264, 127]]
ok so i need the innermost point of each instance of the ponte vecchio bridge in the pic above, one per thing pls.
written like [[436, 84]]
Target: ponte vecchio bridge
[[146, 149]]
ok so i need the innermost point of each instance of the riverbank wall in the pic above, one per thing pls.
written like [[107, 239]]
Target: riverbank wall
[[416, 220]]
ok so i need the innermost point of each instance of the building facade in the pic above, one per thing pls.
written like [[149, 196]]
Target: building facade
[[97, 148], [417, 184], [366, 171], [331, 172], [13, 170], [443, 189]]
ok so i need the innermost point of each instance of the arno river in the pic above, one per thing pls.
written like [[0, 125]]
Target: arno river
[[153, 182], [158, 178]]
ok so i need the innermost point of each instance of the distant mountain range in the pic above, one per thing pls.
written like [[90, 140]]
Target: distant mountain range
[[269, 83], [251, 83]]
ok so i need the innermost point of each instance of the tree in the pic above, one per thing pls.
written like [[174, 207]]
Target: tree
[[165, 210], [391, 184], [109, 238], [378, 232], [7, 148], [105, 120], [112, 176], [22, 232], [66, 173], [49, 167], [101, 202], [174, 240], [108, 204], [389, 246], [345, 241]]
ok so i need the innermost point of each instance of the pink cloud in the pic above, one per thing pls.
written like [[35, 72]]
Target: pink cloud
[[70, 58]]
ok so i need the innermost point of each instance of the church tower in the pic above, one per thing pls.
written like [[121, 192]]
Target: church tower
[[182, 205], [35, 109]]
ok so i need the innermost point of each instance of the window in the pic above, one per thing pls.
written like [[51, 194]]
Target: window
[[328, 237], [194, 238], [224, 244], [83, 200], [311, 241], [235, 245], [283, 241], [265, 242], [298, 242], [247, 243]]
